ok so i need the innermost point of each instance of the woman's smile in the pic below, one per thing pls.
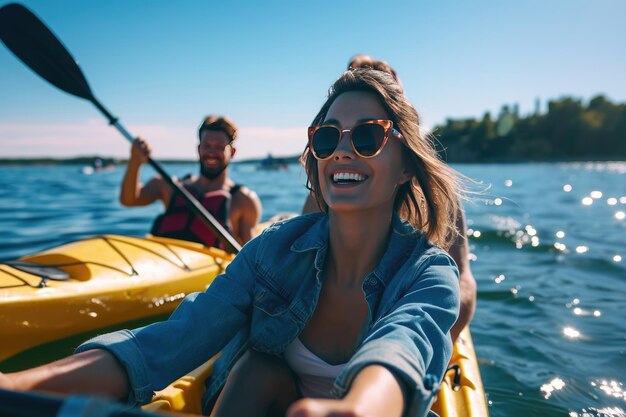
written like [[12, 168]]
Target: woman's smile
[[344, 177]]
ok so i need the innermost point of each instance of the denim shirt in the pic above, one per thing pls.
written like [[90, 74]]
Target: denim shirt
[[268, 294]]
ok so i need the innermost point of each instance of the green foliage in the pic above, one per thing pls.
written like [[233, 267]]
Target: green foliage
[[568, 131]]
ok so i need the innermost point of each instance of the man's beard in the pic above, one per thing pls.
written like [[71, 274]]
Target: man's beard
[[212, 173]]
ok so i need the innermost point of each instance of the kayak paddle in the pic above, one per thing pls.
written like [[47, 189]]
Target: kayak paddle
[[37, 47], [32, 404]]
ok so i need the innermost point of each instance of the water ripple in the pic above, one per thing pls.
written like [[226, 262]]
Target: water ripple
[[550, 268]]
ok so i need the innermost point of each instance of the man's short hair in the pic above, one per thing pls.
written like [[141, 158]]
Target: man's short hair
[[218, 123]]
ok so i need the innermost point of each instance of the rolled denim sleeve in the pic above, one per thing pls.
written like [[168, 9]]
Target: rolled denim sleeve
[[412, 338], [157, 354]]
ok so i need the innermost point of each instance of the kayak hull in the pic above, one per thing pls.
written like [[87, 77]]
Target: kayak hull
[[462, 393], [111, 280]]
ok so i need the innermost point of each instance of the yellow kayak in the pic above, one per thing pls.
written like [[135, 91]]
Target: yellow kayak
[[111, 280], [97, 283], [461, 393]]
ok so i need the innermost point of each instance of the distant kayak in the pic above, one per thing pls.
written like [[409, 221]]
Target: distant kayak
[[98, 165], [273, 164]]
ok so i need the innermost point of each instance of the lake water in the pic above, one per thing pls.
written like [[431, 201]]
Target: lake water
[[549, 256]]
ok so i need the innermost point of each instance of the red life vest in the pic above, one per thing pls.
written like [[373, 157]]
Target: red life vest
[[179, 222]]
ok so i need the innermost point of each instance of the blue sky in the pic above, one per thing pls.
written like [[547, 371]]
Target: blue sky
[[161, 66]]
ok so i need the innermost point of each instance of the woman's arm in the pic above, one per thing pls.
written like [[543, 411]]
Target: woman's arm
[[91, 372], [375, 392], [155, 355], [132, 365], [411, 336]]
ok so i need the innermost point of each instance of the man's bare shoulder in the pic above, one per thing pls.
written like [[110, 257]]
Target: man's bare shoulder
[[245, 213], [245, 196]]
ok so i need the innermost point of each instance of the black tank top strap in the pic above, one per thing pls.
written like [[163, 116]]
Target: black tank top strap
[[235, 188]]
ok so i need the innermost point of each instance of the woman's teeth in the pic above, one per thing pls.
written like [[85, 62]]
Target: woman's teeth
[[348, 177]]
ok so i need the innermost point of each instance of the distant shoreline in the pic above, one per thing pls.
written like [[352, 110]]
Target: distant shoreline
[[108, 161]]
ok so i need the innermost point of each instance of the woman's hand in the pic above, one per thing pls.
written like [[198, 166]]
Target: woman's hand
[[375, 392], [313, 407]]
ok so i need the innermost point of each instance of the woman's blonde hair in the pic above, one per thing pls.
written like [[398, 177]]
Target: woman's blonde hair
[[430, 200]]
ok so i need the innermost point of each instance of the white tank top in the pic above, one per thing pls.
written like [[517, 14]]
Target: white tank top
[[315, 376]]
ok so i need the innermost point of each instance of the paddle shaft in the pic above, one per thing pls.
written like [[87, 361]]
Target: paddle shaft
[[229, 241], [31, 404]]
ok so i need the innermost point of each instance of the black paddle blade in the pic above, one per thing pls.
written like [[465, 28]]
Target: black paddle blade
[[33, 43]]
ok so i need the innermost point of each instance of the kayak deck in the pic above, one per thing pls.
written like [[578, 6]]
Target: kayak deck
[[461, 393]]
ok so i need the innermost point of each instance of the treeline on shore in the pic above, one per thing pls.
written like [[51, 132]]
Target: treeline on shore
[[108, 161], [79, 160], [568, 131]]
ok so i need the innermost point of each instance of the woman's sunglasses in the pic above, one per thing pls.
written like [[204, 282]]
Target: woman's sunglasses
[[367, 139]]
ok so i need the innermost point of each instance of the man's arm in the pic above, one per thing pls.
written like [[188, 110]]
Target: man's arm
[[91, 372], [460, 253], [133, 193], [245, 214]]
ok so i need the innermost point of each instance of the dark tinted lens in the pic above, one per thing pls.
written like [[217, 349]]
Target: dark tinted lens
[[325, 141], [368, 138]]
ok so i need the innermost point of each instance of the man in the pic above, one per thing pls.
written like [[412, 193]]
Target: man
[[236, 207]]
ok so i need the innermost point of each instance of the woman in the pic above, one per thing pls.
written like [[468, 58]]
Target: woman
[[458, 249], [346, 311]]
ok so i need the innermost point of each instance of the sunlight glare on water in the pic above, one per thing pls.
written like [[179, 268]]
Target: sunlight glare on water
[[554, 385], [602, 412], [614, 391], [571, 332], [611, 388]]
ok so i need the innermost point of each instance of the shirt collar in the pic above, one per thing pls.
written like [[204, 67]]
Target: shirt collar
[[314, 238], [402, 242]]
